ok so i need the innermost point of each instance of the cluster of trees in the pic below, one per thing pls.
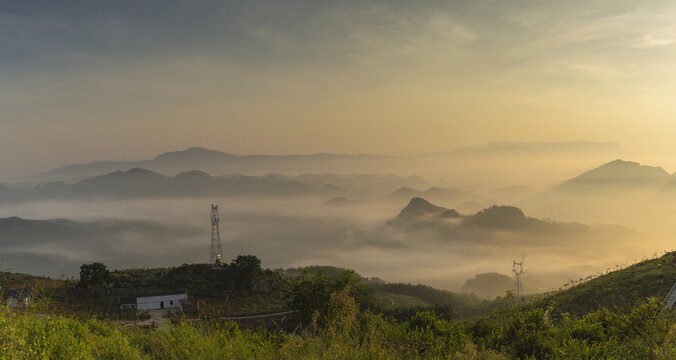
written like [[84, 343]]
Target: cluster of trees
[[244, 274]]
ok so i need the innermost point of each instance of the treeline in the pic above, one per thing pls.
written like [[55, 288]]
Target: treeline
[[244, 276]]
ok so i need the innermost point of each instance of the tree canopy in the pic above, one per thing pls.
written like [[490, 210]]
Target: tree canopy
[[93, 276]]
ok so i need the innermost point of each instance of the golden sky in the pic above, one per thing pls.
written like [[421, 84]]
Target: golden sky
[[131, 79]]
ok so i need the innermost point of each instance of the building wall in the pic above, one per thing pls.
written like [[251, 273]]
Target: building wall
[[16, 302], [160, 302]]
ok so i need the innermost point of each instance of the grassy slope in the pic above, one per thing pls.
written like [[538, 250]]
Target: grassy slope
[[619, 289], [392, 301], [465, 306]]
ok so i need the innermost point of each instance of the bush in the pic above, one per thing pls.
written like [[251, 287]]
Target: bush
[[311, 293]]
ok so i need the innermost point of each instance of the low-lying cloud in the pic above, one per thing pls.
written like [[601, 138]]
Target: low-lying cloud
[[300, 232]]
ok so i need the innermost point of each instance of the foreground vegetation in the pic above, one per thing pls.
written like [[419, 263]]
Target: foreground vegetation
[[338, 316], [344, 332]]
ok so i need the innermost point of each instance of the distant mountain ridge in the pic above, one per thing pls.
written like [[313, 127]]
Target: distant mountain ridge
[[143, 183], [617, 174], [217, 162], [514, 148], [197, 158]]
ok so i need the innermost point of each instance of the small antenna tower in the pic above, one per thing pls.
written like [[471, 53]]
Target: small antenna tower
[[517, 269], [215, 257]]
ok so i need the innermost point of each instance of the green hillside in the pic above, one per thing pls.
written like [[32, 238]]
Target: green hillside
[[393, 301], [341, 315], [620, 289]]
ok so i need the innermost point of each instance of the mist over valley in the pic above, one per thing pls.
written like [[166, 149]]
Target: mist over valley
[[398, 226]]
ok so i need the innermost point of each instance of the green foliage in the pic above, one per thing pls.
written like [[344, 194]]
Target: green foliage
[[311, 293], [344, 324], [642, 333], [433, 335], [94, 276], [638, 334], [246, 272], [464, 306], [526, 333], [403, 314], [244, 276], [358, 336], [197, 279], [30, 337]]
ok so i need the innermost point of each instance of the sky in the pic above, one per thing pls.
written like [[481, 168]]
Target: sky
[[124, 80]]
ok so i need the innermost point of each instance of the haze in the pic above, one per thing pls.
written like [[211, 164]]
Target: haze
[[127, 119], [129, 80]]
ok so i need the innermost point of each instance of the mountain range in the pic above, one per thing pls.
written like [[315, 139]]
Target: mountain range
[[500, 227], [211, 161], [217, 162], [617, 179], [142, 183]]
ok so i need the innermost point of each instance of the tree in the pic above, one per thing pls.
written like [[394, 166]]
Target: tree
[[246, 272], [312, 292], [94, 276]]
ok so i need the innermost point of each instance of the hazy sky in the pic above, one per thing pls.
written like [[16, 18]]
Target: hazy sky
[[99, 80]]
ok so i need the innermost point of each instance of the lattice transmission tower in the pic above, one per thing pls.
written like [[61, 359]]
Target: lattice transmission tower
[[517, 269], [215, 257]]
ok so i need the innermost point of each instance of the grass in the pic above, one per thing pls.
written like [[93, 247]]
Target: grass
[[27, 336], [619, 289], [387, 301]]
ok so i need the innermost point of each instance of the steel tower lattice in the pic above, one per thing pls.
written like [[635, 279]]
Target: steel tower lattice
[[215, 256], [517, 269]]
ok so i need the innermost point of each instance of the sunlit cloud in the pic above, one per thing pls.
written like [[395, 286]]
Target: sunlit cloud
[[202, 69], [661, 37]]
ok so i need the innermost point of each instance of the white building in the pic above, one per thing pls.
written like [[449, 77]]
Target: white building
[[155, 301], [18, 297]]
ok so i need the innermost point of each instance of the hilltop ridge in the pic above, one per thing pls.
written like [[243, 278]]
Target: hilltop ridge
[[616, 174]]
